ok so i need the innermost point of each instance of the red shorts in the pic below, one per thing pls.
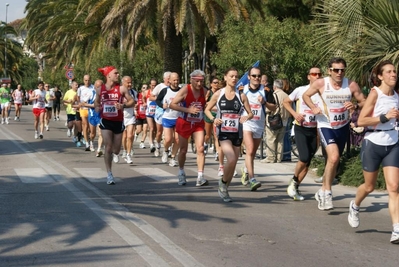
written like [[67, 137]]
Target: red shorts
[[38, 111], [186, 129]]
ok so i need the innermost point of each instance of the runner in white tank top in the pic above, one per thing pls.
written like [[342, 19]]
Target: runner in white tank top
[[336, 92]]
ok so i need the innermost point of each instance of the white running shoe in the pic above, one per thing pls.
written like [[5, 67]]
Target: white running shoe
[[110, 179], [15, 118], [293, 192], [395, 238], [47, 129], [115, 158], [320, 200], [173, 163], [2, 121], [124, 154], [182, 179], [328, 205], [69, 133], [235, 173], [92, 149], [201, 181], [164, 157], [129, 159], [7, 121], [36, 135], [353, 216], [220, 172], [156, 153], [142, 145]]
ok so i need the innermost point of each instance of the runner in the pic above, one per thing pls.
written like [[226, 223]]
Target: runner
[[141, 121], [169, 118], [230, 104], [259, 98], [94, 121], [336, 93], [84, 93], [305, 132], [190, 100], [5, 103], [129, 121], [57, 103], [109, 100], [380, 145], [38, 97], [18, 96], [150, 112], [49, 105], [159, 112], [69, 100]]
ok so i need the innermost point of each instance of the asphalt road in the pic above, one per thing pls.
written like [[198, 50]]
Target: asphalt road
[[56, 210]]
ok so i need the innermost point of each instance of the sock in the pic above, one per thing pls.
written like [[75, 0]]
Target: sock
[[295, 179], [245, 170], [396, 227], [91, 143], [355, 207], [221, 166], [200, 174], [110, 173], [223, 181], [181, 171], [252, 179]]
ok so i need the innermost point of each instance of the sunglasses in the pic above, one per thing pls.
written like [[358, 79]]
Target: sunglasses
[[215, 82], [314, 74], [256, 75], [337, 70]]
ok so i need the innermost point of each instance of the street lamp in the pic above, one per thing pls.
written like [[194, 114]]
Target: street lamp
[[5, 43]]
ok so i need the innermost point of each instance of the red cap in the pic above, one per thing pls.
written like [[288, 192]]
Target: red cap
[[106, 70]]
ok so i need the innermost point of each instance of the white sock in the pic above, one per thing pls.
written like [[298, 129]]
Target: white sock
[[396, 227], [181, 171], [200, 174]]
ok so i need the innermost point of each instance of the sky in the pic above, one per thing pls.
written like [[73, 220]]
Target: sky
[[16, 9]]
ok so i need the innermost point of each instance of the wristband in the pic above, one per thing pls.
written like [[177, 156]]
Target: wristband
[[212, 120], [124, 105], [383, 118]]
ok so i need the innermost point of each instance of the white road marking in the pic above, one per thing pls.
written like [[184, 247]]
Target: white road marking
[[157, 174], [33, 175]]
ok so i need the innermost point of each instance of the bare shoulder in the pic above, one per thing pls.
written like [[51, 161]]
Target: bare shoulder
[[353, 86]]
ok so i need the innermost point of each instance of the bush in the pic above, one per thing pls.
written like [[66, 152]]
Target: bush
[[350, 170]]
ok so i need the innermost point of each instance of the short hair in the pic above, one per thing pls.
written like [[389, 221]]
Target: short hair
[[167, 74], [196, 73], [278, 83], [336, 60], [253, 68], [42, 83]]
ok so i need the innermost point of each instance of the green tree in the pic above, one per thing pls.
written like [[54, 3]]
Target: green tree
[[283, 48], [364, 32], [10, 53]]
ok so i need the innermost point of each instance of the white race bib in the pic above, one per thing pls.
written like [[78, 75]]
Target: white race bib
[[230, 123], [193, 118], [110, 110]]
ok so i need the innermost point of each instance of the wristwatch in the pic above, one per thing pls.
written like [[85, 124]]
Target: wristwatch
[[124, 105]]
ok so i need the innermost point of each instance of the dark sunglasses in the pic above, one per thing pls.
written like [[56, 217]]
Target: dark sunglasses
[[215, 82], [314, 74], [256, 75], [337, 70]]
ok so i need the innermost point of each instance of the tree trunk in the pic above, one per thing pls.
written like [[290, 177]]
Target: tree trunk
[[173, 51]]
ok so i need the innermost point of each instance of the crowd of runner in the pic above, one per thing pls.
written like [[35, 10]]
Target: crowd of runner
[[172, 114]]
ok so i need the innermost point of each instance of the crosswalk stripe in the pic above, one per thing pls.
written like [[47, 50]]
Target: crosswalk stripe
[[33, 175], [156, 174]]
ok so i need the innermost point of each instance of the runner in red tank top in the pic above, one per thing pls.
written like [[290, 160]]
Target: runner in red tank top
[[109, 103], [191, 101]]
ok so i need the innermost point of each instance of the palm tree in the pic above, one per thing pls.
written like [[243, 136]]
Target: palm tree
[[171, 18], [364, 32], [10, 52]]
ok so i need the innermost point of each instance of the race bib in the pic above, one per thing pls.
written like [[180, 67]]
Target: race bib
[[230, 123], [310, 118], [256, 110], [110, 110], [151, 109], [196, 117], [142, 110], [338, 116]]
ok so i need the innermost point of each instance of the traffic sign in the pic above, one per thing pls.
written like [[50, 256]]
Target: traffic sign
[[69, 75]]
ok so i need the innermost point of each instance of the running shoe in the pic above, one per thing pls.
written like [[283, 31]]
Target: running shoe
[[124, 154], [328, 205], [320, 200], [201, 181], [87, 148], [173, 163], [320, 180], [18, 119], [142, 145], [293, 192], [41, 135], [92, 148], [55, 119], [220, 171], [7, 121], [129, 159], [152, 148], [69, 133], [254, 184], [74, 139], [36, 135], [235, 173], [244, 177], [99, 153], [223, 191], [156, 153], [182, 179], [216, 156], [2, 121], [205, 149], [395, 238], [110, 179], [78, 144], [15, 118], [115, 158], [47, 129], [353, 216], [164, 157]]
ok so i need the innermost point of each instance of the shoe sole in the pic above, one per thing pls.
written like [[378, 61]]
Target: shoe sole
[[111, 183], [395, 241], [256, 187], [203, 184]]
